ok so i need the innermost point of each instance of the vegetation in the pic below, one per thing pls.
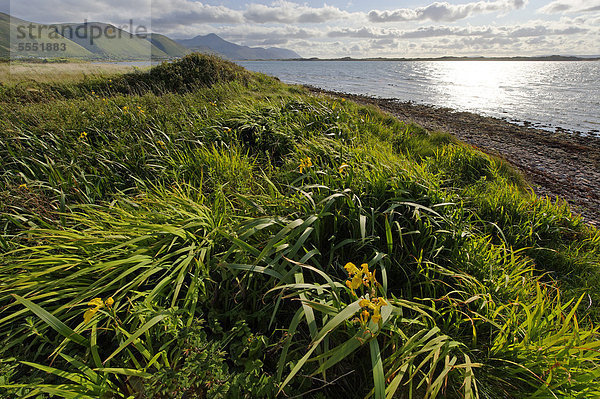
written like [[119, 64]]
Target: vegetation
[[31, 73], [200, 231]]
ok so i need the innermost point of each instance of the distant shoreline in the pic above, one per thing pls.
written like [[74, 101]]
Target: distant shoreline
[[313, 59], [447, 58]]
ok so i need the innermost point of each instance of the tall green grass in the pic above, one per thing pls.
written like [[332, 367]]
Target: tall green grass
[[205, 227]]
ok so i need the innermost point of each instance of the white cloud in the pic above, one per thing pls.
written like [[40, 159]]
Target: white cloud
[[570, 6], [178, 13], [448, 31], [445, 11], [287, 12]]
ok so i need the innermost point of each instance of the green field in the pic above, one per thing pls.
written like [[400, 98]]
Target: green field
[[29, 74], [202, 231]]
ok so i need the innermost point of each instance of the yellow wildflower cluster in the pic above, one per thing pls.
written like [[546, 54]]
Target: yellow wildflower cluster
[[83, 136], [96, 304], [305, 164], [24, 186], [162, 144], [141, 111], [214, 104], [371, 308], [371, 305]]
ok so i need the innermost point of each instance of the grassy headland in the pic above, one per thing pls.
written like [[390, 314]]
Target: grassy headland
[[201, 231]]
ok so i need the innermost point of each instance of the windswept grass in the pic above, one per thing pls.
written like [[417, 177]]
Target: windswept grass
[[215, 233], [23, 73]]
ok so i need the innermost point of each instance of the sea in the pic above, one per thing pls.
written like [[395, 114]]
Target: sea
[[549, 95]]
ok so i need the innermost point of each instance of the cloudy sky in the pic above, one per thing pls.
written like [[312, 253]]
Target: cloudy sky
[[388, 28]]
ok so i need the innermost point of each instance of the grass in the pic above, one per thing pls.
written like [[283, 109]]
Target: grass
[[200, 231], [23, 72]]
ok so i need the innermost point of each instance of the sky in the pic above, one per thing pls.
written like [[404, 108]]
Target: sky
[[339, 28]]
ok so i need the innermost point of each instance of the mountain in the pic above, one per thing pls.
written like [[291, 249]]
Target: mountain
[[167, 45], [14, 34], [214, 44], [4, 36], [92, 40], [112, 43], [100, 41]]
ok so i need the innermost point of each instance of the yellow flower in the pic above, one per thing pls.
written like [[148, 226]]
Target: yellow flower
[[343, 100], [365, 268], [24, 186], [355, 282], [376, 318], [82, 136], [214, 104], [162, 144], [343, 168], [305, 164], [96, 302], [364, 316], [374, 305], [364, 303], [89, 314], [351, 268]]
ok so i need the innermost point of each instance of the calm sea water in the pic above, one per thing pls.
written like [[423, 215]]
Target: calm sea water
[[548, 94]]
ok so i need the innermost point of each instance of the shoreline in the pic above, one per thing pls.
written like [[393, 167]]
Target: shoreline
[[558, 165]]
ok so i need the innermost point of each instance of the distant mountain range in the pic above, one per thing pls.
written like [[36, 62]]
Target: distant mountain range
[[214, 44], [100, 41]]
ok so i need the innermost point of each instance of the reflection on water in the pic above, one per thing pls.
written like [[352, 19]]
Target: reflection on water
[[550, 94]]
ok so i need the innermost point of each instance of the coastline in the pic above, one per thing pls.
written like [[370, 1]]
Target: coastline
[[558, 165]]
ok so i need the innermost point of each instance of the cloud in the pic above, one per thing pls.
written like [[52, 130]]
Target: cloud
[[383, 44], [570, 6], [54, 11], [257, 35], [169, 14], [544, 31], [175, 13], [447, 31], [287, 12], [445, 11], [364, 33], [435, 31]]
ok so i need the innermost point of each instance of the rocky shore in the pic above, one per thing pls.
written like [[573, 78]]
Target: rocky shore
[[559, 165]]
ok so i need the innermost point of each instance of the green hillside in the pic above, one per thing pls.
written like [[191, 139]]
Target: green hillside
[[23, 45], [114, 43], [167, 46], [4, 36], [65, 42], [200, 231]]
